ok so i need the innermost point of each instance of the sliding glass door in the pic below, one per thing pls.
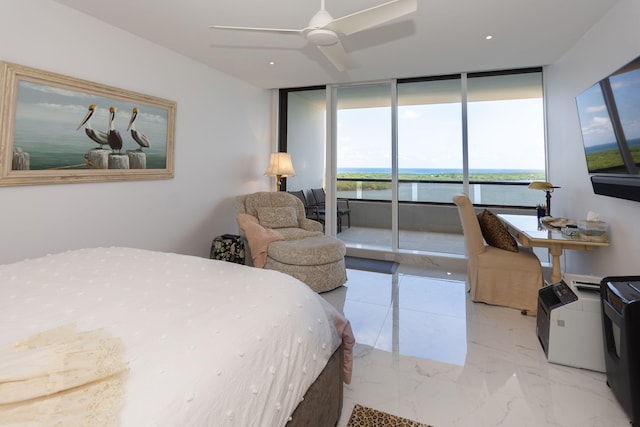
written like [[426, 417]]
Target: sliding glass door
[[364, 159], [430, 160]]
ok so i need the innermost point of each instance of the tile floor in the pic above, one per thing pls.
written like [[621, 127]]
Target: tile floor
[[426, 352], [376, 238]]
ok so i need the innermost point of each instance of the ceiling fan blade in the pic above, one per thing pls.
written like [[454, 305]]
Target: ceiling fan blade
[[337, 55], [374, 16], [256, 29]]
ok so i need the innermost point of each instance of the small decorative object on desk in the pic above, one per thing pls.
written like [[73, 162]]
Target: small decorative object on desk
[[592, 228], [550, 221], [570, 231], [228, 247], [541, 210]]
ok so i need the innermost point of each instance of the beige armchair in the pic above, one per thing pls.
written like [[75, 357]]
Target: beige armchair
[[299, 249], [498, 276]]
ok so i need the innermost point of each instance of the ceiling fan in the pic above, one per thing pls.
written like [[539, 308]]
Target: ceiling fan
[[324, 31]]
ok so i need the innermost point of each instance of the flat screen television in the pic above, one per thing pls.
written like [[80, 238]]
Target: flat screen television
[[609, 114]]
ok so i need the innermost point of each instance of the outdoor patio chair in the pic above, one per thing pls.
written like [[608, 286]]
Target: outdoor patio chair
[[343, 209], [311, 211]]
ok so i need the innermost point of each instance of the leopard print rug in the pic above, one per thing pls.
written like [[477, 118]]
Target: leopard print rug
[[362, 416]]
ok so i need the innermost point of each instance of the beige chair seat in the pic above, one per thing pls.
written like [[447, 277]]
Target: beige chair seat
[[305, 253], [497, 276]]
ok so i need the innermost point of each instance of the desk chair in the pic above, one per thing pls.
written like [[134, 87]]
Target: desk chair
[[497, 276]]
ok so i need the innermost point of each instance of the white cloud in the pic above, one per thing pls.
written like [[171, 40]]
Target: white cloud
[[596, 108], [409, 114]]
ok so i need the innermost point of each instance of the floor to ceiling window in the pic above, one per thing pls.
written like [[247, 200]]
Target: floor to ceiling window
[[506, 137], [479, 132]]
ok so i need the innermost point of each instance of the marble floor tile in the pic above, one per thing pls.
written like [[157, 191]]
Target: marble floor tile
[[426, 352]]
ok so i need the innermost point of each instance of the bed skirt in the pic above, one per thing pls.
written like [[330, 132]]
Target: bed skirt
[[322, 403]]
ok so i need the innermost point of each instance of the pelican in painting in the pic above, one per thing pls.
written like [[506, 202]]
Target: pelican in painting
[[95, 135], [138, 137], [113, 136]]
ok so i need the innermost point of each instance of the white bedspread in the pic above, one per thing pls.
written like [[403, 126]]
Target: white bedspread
[[207, 342]]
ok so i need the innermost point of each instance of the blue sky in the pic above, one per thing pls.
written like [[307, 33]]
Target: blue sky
[[502, 135]]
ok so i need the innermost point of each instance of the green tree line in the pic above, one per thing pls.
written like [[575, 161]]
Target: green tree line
[[493, 176]]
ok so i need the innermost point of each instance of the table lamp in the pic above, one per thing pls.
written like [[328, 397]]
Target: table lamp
[[280, 165], [548, 188]]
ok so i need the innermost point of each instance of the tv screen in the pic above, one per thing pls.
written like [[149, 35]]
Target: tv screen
[[609, 114]]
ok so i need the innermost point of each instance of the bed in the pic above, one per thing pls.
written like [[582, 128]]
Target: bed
[[180, 341]]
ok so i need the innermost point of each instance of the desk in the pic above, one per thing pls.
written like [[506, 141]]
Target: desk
[[530, 233]]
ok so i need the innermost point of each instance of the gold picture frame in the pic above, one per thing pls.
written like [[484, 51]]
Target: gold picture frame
[[59, 129]]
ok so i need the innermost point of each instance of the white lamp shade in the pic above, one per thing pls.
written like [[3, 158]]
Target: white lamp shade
[[280, 164]]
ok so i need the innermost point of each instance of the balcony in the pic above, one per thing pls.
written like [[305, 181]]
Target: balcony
[[420, 241], [429, 225]]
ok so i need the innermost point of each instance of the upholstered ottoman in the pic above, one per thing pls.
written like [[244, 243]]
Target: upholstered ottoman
[[317, 261]]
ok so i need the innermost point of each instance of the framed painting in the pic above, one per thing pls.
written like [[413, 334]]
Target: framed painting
[[58, 129]]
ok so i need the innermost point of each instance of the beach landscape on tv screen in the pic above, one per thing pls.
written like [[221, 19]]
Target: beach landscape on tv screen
[[609, 114]]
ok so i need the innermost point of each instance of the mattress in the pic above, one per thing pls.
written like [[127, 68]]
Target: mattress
[[206, 342]]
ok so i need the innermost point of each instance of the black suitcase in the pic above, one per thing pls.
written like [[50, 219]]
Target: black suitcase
[[228, 247]]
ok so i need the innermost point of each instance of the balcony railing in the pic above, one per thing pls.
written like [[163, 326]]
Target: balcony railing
[[502, 193]]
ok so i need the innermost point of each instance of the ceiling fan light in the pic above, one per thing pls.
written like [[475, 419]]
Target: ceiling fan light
[[322, 37]]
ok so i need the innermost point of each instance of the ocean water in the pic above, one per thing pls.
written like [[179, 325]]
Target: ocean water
[[57, 147]]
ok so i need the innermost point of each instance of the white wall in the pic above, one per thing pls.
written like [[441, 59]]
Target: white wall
[[223, 138], [611, 43], [305, 142]]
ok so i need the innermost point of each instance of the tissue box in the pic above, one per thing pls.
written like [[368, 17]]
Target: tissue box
[[592, 230]]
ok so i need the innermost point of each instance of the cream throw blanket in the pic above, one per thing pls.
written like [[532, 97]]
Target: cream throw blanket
[[62, 377], [258, 238]]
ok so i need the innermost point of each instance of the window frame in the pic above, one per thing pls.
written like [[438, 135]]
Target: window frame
[[466, 183]]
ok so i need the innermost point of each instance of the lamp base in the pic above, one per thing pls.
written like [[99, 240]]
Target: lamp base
[[548, 202]]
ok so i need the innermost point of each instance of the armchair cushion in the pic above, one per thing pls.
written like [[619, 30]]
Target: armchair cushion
[[294, 233], [311, 225], [495, 233], [278, 217]]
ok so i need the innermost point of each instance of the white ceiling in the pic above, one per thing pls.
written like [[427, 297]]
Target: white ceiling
[[442, 37]]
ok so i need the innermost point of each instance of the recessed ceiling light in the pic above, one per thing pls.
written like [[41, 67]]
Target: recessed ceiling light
[[272, 62], [488, 37]]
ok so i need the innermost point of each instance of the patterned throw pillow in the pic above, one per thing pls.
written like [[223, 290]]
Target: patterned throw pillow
[[495, 233]]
